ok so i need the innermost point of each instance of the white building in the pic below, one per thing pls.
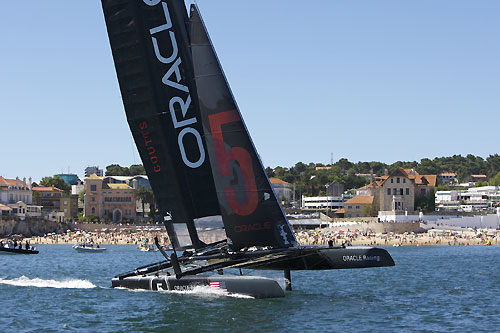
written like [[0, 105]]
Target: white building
[[14, 190], [447, 200], [448, 178], [322, 203], [90, 170], [76, 189], [470, 200]]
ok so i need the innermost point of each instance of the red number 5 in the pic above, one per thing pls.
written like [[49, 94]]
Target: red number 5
[[234, 154]]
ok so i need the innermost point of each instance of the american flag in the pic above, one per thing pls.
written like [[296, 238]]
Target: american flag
[[219, 286]]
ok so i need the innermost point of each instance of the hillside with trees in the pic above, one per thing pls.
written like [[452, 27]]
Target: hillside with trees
[[311, 182], [117, 170]]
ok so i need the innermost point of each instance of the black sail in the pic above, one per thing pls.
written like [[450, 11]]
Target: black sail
[[150, 46], [251, 213]]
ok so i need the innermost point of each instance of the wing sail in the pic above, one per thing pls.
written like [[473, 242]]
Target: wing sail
[[150, 46], [251, 213]]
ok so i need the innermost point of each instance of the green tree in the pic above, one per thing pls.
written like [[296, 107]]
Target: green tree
[[493, 165], [344, 165], [280, 171], [270, 172], [427, 167], [481, 183], [35, 197], [117, 170], [377, 167], [442, 187], [56, 181], [367, 210], [300, 167], [136, 169], [81, 196], [150, 199], [141, 194], [427, 202], [495, 181]]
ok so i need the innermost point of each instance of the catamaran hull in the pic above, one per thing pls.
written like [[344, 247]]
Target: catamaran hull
[[323, 257], [253, 286]]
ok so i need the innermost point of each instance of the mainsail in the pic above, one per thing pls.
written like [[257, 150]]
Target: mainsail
[[150, 45], [251, 213], [190, 135]]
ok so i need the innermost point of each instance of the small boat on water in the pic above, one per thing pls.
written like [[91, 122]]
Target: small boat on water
[[12, 248], [147, 248], [8, 250], [88, 248]]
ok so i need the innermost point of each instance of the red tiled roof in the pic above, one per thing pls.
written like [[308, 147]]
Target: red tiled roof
[[3, 181], [360, 199], [10, 182], [377, 182], [3, 207], [46, 189], [426, 180], [277, 181], [420, 180], [448, 174], [479, 176], [340, 211]]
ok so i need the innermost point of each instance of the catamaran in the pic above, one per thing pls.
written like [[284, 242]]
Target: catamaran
[[201, 162]]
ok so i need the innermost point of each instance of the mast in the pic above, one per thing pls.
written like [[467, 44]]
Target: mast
[[251, 213]]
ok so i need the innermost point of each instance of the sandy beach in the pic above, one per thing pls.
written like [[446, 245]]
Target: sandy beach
[[305, 237], [429, 238]]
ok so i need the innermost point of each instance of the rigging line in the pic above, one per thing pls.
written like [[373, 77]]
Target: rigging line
[[132, 145]]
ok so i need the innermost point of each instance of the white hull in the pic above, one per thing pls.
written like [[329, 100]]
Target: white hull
[[89, 249]]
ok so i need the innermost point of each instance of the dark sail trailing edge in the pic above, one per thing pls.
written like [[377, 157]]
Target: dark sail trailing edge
[[150, 45], [251, 213]]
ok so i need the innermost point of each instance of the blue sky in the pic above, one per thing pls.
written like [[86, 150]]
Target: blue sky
[[365, 80]]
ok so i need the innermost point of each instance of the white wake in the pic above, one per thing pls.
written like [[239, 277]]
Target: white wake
[[206, 291], [199, 291], [24, 281]]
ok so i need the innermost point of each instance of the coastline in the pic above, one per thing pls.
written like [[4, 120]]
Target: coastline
[[432, 237]]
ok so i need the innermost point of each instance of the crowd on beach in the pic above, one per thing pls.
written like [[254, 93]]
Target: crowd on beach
[[304, 237], [122, 237], [431, 237]]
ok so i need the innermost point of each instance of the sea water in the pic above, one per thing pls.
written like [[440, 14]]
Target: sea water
[[430, 289]]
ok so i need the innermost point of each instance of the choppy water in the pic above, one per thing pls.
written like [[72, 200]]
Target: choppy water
[[430, 289]]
